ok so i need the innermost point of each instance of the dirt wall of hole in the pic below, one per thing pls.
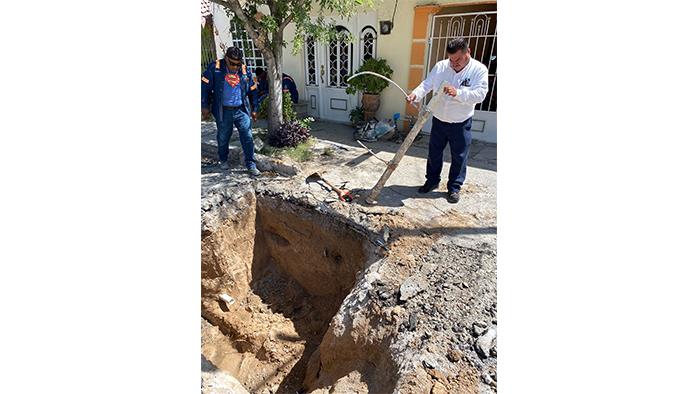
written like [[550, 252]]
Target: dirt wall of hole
[[318, 252], [322, 254], [288, 268], [227, 253]]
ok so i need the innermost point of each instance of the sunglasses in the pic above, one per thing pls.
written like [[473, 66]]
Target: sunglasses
[[234, 63]]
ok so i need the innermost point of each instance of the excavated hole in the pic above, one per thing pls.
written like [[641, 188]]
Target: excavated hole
[[288, 269]]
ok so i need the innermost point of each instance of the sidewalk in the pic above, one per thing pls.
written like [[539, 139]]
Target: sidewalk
[[482, 155], [472, 220]]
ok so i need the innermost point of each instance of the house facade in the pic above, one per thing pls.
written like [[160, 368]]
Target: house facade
[[410, 34]]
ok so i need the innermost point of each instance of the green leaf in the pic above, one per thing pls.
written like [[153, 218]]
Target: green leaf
[[369, 83]]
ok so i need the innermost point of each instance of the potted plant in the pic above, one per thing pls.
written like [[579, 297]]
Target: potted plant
[[369, 85]]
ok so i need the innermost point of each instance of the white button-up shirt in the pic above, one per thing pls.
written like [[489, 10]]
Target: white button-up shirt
[[471, 83]]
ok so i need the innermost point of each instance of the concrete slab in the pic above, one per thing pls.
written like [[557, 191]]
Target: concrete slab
[[475, 215]]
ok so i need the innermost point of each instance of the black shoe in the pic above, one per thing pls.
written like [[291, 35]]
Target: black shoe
[[453, 197], [427, 187]]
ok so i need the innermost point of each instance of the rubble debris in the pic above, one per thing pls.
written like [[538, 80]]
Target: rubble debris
[[485, 342], [226, 298], [412, 286], [479, 328], [454, 355]]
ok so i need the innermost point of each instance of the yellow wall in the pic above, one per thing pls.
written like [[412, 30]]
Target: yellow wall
[[396, 48]]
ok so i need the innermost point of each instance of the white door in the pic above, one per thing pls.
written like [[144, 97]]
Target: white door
[[312, 78], [327, 66], [336, 64]]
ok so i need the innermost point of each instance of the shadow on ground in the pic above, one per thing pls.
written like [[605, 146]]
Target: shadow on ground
[[482, 155]]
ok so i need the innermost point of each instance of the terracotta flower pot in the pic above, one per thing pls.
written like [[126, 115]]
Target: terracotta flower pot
[[370, 103]]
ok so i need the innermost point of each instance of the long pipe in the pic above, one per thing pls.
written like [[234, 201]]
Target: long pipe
[[413, 104], [381, 76]]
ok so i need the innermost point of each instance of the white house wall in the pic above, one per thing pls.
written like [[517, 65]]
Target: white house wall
[[221, 25], [293, 65]]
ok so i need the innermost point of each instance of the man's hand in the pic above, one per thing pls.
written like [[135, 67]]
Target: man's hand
[[205, 112], [411, 98], [450, 91], [253, 116]]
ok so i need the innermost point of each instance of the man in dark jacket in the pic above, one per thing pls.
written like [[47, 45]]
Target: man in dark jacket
[[289, 85], [228, 91]]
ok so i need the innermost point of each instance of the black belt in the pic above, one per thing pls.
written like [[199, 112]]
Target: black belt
[[227, 107]]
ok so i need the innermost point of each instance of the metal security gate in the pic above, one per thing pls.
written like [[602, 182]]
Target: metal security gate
[[480, 29], [240, 39]]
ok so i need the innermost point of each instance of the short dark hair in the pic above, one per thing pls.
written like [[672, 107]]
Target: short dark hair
[[259, 71], [234, 53], [456, 44]]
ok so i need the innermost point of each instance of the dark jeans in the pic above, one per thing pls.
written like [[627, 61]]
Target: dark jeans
[[230, 119], [459, 137]]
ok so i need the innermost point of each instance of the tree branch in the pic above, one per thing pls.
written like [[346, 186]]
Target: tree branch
[[285, 22], [294, 4]]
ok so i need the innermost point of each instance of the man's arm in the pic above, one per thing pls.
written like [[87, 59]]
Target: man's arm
[[207, 83], [478, 90], [253, 93], [426, 86]]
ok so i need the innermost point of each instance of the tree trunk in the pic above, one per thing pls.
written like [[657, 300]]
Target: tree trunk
[[274, 74], [275, 95]]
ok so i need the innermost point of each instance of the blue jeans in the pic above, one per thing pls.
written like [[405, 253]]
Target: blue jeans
[[230, 119], [459, 137]]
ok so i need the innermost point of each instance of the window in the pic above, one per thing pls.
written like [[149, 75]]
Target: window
[[311, 59], [368, 43], [340, 60]]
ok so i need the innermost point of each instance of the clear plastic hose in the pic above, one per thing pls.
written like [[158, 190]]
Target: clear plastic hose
[[381, 76], [388, 80]]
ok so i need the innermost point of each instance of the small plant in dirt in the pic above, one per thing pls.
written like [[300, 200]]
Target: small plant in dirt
[[289, 113], [328, 151]]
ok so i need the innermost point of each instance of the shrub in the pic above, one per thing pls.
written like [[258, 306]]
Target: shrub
[[289, 113], [290, 134], [357, 114]]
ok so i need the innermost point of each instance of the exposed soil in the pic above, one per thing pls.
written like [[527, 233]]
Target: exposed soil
[[330, 297], [288, 268]]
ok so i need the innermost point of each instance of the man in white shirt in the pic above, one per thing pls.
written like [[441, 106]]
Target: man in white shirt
[[460, 83]]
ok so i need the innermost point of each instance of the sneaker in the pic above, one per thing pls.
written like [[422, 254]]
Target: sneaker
[[453, 197], [427, 187], [253, 171], [224, 166]]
